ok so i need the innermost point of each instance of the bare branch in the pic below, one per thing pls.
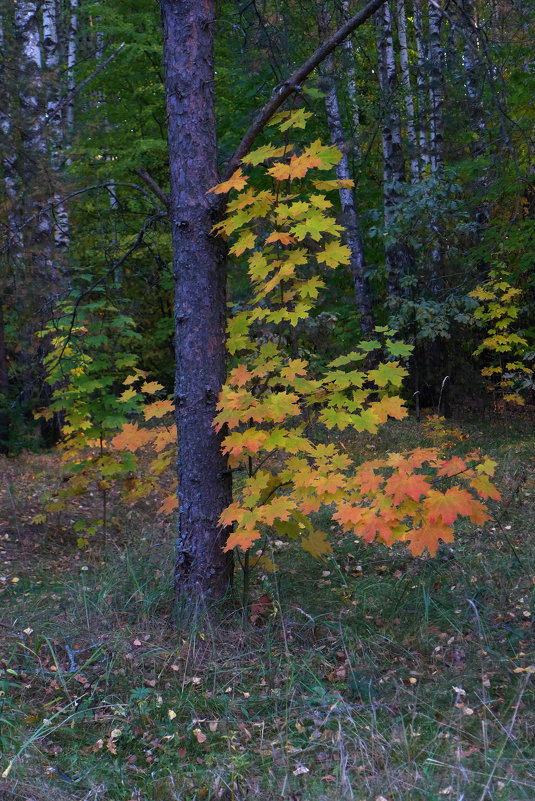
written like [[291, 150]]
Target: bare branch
[[77, 89], [60, 201], [294, 82], [153, 185]]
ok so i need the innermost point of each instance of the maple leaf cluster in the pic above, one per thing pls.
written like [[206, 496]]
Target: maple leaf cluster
[[271, 402]]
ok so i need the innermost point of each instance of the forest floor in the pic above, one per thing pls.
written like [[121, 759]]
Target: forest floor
[[368, 676]]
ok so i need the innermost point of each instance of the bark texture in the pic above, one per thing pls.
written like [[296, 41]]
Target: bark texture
[[203, 570]]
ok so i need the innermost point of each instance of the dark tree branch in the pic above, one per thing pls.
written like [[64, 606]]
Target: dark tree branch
[[77, 89], [153, 185], [115, 266], [294, 82], [60, 201]]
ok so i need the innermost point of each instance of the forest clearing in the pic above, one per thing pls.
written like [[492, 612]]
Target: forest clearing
[[267, 455]]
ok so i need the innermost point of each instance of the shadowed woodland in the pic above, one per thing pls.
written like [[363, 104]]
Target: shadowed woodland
[[266, 400]]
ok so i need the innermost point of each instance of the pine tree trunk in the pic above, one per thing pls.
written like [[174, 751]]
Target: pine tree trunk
[[202, 570], [409, 100], [350, 218]]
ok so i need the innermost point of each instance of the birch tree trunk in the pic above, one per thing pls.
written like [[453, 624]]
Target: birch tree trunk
[[421, 83], [33, 122], [54, 119], [72, 40], [398, 256], [436, 97], [351, 82], [350, 217], [202, 569], [409, 100], [8, 152]]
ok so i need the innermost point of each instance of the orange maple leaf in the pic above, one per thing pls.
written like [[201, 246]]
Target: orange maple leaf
[[297, 167], [428, 536], [239, 376], [169, 505], [452, 466], [164, 437], [447, 506], [242, 538], [236, 181], [131, 438], [282, 237], [403, 485]]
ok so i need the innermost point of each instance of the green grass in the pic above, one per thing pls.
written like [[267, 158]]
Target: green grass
[[374, 675]]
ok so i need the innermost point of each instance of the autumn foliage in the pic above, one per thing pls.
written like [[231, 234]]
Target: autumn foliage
[[274, 408]]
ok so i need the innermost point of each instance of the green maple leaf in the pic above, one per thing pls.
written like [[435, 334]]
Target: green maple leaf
[[388, 373], [334, 254]]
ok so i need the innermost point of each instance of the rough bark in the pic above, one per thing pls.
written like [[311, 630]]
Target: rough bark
[[202, 569], [350, 217]]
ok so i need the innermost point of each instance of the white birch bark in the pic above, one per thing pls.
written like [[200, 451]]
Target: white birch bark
[[399, 259], [8, 152], [72, 41], [409, 100], [421, 83], [436, 97], [55, 122], [350, 216], [351, 83]]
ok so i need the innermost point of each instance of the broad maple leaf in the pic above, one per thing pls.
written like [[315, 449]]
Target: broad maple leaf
[[169, 505], [428, 536], [131, 438], [334, 253], [317, 544], [485, 488], [158, 409], [448, 506], [150, 387], [239, 375], [403, 485], [282, 237], [236, 181]]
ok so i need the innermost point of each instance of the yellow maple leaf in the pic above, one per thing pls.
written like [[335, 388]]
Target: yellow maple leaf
[[317, 544], [150, 387], [127, 395], [158, 409]]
